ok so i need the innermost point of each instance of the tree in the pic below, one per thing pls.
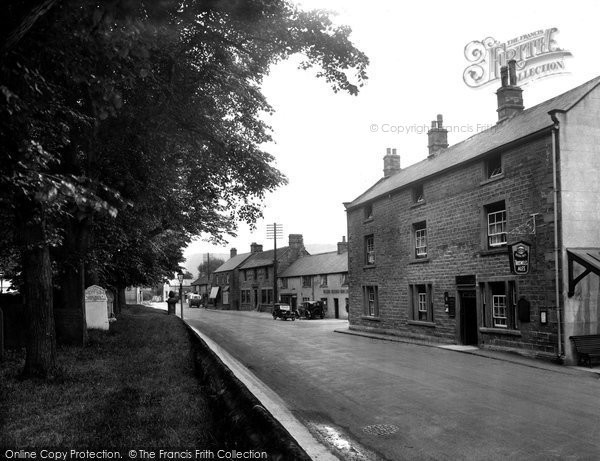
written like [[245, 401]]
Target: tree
[[208, 267], [128, 127]]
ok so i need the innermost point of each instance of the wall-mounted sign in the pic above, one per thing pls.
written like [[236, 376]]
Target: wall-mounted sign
[[519, 257], [450, 304]]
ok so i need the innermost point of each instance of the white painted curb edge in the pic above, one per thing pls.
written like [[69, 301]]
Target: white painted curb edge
[[271, 401]]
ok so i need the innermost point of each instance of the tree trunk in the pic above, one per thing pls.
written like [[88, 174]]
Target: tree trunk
[[37, 290], [122, 302], [69, 310]]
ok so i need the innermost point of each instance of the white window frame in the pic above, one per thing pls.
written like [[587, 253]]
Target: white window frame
[[421, 241], [499, 311], [306, 281], [496, 237], [323, 280], [493, 166], [370, 249], [370, 300], [422, 302]]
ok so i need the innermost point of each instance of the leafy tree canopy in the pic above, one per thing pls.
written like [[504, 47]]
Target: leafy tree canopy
[[147, 116]]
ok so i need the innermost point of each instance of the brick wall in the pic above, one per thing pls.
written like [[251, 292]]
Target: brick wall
[[454, 212]]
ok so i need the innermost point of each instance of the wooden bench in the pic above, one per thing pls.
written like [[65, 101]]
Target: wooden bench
[[587, 347]]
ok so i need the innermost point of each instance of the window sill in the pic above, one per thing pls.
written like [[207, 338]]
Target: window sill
[[418, 204], [369, 266], [500, 331], [371, 318], [419, 260], [495, 251], [494, 179], [421, 323]]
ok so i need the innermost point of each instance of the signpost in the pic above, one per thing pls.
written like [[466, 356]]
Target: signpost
[[180, 277], [519, 254]]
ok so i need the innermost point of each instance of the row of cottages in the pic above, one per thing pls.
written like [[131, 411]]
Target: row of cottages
[[319, 277], [494, 241], [247, 281], [201, 286]]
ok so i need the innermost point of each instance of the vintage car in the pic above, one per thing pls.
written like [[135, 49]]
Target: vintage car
[[195, 300], [313, 309], [283, 312]]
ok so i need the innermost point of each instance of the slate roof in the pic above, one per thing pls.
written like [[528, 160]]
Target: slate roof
[[232, 263], [323, 263], [263, 258], [529, 121], [202, 280]]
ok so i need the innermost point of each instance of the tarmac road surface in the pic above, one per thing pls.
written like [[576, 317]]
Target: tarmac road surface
[[369, 399]]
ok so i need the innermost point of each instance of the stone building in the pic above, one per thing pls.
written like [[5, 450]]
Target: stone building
[[224, 292], [319, 277], [256, 275], [473, 244]]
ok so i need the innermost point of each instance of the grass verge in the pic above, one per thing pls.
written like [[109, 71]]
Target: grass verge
[[133, 386]]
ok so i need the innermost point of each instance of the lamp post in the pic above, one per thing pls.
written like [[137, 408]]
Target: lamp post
[[180, 277], [1, 282]]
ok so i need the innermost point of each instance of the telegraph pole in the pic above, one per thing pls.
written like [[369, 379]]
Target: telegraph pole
[[274, 231]]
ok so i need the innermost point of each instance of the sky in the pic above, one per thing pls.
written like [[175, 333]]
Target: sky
[[331, 146]]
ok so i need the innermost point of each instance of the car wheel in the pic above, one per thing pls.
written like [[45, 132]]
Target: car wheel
[[293, 318]]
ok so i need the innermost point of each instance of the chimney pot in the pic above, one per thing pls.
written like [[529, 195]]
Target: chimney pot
[[437, 136], [509, 95], [391, 163], [504, 76], [512, 72], [342, 247]]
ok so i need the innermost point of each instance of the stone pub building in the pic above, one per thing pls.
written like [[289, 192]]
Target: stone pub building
[[490, 242]]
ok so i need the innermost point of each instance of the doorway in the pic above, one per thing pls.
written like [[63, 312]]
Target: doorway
[[255, 298], [468, 317], [336, 308]]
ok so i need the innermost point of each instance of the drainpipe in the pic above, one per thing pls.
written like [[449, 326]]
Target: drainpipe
[[555, 129]]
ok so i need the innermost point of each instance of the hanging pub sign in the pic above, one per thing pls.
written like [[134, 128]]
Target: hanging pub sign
[[519, 257]]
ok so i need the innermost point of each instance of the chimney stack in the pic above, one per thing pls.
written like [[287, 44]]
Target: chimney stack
[[255, 248], [391, 163], [232, 252], [296, 241], [437, 136], [510, 96], [342, 247]]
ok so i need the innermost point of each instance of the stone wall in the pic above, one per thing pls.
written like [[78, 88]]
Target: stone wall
[[454, 211]]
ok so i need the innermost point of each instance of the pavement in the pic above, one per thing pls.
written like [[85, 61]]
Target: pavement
[[473, 350], [297, 427]]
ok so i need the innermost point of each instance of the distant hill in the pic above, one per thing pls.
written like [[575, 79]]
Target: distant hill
[[316, 248]]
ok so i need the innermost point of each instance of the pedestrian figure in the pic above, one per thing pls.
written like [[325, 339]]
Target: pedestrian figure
[[171, 303]]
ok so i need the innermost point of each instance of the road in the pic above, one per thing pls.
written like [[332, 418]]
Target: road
[[370, 399]]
